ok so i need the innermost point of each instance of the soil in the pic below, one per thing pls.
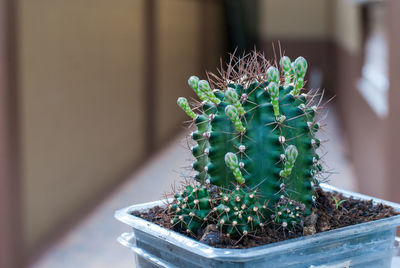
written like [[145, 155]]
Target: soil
[[329, 213]]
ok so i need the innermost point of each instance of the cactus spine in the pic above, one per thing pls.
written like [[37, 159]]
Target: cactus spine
[[255, 141]]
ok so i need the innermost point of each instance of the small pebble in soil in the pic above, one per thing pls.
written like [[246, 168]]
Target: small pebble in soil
[[211, 235], [311, 220], [309, 230]]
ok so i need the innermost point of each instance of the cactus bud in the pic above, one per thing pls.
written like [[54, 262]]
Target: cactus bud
[[291, 154], [232, 162], [273, 75], [194, 84], [273, 90], [233, 98], [232, 113], [301, 67], [183, 103], [286, 66], [204, 86]]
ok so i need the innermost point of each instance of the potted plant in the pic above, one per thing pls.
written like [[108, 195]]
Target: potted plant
[[257, 182]]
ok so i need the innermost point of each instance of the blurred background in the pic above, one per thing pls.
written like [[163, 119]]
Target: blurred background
[[88, 115]]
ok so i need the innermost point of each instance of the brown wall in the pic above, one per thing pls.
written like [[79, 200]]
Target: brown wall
[[81, 109], [294, 20], [190, 39], [178, 46]]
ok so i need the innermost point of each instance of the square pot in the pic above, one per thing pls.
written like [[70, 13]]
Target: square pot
[[369, 244]]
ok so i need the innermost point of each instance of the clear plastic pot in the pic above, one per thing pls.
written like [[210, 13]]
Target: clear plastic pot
[[370, 244]]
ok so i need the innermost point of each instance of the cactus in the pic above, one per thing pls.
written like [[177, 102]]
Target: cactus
[[191, 209], [240, 211], [288, 213], [255, 140]]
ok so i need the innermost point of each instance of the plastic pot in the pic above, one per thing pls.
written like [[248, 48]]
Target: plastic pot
[[370, 244]]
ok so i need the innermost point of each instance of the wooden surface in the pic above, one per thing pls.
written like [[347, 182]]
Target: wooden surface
[[11, 254]]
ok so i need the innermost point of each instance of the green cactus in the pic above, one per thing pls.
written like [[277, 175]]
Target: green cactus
[[288, 213], [256, 134], [240, 211], [191, 209]]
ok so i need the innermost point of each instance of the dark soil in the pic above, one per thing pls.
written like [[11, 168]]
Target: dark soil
[[326, 215]]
